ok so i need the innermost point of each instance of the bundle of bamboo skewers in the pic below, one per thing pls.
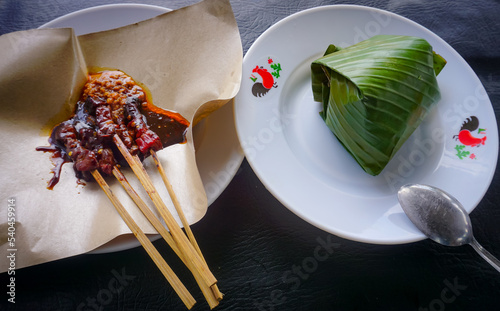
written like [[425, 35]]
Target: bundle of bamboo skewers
[[184, 245]]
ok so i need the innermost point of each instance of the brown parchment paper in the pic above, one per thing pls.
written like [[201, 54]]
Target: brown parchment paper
[[189, 59]]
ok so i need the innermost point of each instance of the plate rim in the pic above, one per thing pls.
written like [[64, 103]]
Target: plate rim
[[104, 7]]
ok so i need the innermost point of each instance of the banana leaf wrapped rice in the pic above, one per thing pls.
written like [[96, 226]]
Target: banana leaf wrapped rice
[[376, 93]]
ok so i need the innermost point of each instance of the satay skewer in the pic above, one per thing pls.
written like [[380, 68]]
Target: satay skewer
[[182, 216], [212, 300], [169, 274], [179, 237]]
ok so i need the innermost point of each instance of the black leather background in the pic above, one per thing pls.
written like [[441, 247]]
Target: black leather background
[[265, 257]]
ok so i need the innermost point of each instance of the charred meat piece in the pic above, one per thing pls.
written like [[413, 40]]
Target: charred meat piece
[[123, 130], [145, 138], [65, 135], [106, 128], [84, 123], [106, 160], [93, 132]]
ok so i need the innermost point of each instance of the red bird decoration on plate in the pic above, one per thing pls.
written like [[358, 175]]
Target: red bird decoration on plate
[[465, 135], [260, 89]]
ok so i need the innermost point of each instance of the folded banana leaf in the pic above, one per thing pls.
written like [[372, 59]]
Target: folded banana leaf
[[376, 93]]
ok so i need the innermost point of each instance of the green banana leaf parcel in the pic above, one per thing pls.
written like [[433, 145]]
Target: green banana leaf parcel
[[376, 93]]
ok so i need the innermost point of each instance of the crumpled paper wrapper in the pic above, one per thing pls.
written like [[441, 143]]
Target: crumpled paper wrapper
[[189, 59]]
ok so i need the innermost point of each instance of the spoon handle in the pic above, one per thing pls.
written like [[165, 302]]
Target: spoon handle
[[494, 262]]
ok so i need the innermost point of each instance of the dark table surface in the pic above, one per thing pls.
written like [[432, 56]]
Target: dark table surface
[[255, 246]]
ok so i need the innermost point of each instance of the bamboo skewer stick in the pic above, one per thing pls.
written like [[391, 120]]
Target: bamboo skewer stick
[[146, 210], [176, 232], [212, 300], [177, 205], [177, 285], [182, 216]]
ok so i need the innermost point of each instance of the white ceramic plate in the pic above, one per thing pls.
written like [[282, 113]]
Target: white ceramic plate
[[218, 159], [303, 165]]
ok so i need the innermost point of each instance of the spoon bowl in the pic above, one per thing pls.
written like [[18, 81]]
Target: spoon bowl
[[441, 217]]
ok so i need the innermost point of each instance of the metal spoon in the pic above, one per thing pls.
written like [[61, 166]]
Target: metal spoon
[[441, 217]]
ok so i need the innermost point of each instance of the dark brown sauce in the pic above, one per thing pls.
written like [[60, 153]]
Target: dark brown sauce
[[171, 127], [58, 158]]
